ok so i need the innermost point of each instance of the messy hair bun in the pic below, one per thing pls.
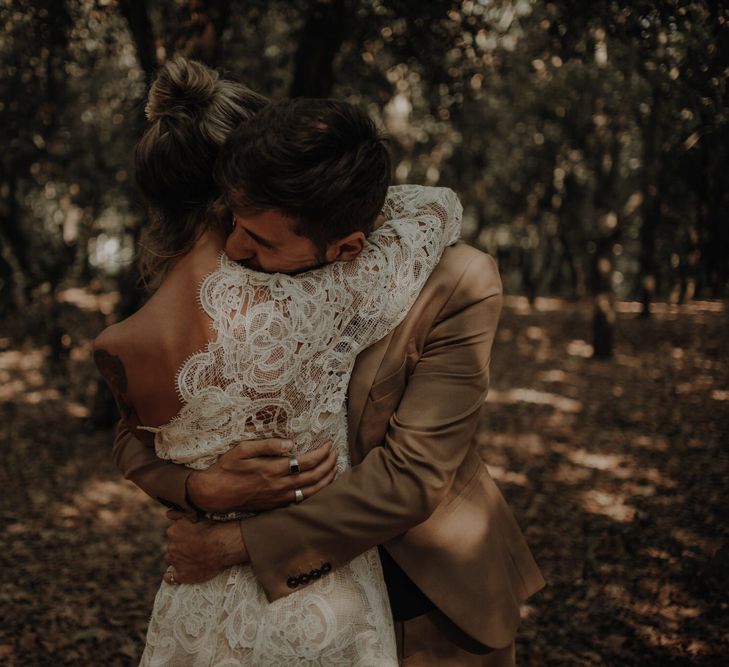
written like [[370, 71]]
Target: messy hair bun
[[191, 111], [181, 86]]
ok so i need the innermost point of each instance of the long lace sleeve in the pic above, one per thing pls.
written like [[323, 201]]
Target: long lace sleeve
[[386, 278], [346, 306]]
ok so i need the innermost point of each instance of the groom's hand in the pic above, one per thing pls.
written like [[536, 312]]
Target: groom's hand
[[255, 475], [198, 551]]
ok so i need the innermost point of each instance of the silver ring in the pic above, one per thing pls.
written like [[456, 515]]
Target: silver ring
[[294, 466], [298, 495]]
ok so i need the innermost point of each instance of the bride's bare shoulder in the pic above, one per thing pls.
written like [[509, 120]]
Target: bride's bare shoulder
[[116, 339], [121, 346], [133, 333], [111, 355], [144, 331], [138, 356]]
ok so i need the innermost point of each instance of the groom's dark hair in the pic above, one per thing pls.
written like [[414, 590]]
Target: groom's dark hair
[[321, 162]]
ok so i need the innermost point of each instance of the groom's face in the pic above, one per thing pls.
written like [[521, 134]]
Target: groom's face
[[267, 241]]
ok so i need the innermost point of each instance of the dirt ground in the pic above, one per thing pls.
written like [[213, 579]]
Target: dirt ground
[[616, 470]]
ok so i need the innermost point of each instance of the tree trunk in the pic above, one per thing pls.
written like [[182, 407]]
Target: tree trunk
[[603, 321], [715, 253], [14, 248], [603, 327], [568, 219], [137, 16], [651, 209], [199, 35], [651, 214], [528, 279], [319, 43], [12, 279]]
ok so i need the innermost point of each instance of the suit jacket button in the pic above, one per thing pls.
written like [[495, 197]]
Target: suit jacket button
[[304, 578], [292, 582], [327, 567]]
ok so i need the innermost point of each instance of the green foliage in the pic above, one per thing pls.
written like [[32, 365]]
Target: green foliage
[[579, 135]]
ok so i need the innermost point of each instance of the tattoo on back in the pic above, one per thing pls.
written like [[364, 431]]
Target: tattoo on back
[[112, 368]]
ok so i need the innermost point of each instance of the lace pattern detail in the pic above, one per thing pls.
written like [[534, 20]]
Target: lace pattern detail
[[285, 345], [279, 365]]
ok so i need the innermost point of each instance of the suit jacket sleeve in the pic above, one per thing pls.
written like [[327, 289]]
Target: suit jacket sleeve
[[162, 480], [399, 484]]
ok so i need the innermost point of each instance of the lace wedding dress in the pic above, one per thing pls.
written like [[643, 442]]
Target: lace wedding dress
[[279, 366]]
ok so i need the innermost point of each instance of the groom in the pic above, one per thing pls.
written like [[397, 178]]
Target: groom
[[456, 564]]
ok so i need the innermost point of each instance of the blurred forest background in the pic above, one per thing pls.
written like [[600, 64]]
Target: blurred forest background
[[589, 142]]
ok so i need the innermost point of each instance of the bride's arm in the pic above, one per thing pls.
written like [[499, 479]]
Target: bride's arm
[[252, 476], [134, 449], [164, 481]]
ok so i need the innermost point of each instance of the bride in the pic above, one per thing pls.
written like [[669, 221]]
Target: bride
[[223, 352]]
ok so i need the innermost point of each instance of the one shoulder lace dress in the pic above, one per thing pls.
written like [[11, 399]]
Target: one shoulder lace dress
[[278, 366]]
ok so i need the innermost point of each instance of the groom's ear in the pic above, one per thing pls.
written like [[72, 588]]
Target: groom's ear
[[346, 249]]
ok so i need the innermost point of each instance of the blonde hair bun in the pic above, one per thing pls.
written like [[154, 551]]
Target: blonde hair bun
[[182, 86], [191, 112]]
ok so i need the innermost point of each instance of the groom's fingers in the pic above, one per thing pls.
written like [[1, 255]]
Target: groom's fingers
[[324, 481], [312, 476], [263, 462], [251, 449], [315, 459], [273, 447]]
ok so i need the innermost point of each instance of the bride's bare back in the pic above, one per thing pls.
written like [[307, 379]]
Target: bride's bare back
[[139, 357]]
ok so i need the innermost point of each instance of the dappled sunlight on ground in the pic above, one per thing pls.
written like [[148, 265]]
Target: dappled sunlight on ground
[[553, 375], [609, 504], [82, 548], [111, 501], [501, 474], [591, 460], [20, 371], [661, 310], [525, 395], [616, 470], [520, 304], [579, 348]]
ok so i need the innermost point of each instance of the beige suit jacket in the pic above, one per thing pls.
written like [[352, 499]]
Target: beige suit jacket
[[418, 485]]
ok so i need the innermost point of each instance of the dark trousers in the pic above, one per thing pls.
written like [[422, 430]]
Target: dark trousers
[[423, 642]]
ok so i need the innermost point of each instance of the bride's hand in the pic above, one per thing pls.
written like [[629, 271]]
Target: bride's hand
[[255, 475], [198, 551]]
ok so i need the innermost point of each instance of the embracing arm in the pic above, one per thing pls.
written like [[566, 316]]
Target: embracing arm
[[163, 480], [136, 459], [387, 276], [400, 484], [419, 223], [252, 476]]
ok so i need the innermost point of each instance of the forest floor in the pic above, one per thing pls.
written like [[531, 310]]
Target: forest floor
[[616, 470]]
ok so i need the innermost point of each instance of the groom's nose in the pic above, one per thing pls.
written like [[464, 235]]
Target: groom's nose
[[239, 247]]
